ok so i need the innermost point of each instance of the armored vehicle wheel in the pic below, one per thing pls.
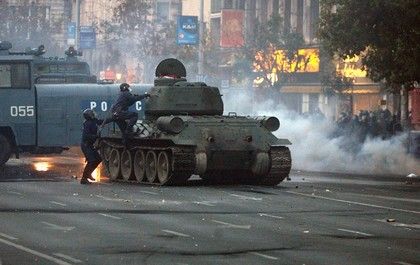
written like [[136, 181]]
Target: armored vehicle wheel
[[5, 149], [163, 167], [126, 165], [114, 164], [151, 164], [139, 165]]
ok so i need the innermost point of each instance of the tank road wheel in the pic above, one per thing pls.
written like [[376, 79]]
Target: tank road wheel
[[5, 149], [114, 164], [126, 165], [163, 167], [106, 152], [139, 165], [151, 164]]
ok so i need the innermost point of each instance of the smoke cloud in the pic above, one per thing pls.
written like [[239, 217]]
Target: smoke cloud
[[315, 149]]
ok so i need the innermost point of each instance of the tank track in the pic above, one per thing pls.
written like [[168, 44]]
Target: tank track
[[281, 163], [182, 162]]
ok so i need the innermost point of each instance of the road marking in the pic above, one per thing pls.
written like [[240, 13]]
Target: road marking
[[269, 215], [110, 199], [403, 263], [389, 198], [263, 255], [60, 255], [14, 192], [205, 203], [149, 192], [8, 236], [34, 252], [416, 226], [353, 202], [58, 203], [175, 233], [58, 227], [354, 232], [246, 197], [110, 216], [228, 225]]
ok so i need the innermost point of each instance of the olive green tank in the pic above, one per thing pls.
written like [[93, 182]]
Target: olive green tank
[[184, 133]]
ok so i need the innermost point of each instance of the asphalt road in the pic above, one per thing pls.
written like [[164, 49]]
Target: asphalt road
[[49, 218]]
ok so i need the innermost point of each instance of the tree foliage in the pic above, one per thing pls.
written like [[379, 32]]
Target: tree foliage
[[28, 25], [270, 54], [386, 34], [139, 35]]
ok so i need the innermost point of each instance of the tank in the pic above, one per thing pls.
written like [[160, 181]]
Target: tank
[[184, 133]]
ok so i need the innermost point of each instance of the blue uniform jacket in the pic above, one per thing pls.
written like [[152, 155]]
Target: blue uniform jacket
[[89, 136], [124, 101]]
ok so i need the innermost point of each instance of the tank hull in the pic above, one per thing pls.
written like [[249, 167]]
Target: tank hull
[[219, 149]]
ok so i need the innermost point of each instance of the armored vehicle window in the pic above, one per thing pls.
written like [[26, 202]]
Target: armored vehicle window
[[14, 76], [61, 68], [42, 69], [77, 68]]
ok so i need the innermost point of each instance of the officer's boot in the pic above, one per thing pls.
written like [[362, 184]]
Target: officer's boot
[[87, 173]]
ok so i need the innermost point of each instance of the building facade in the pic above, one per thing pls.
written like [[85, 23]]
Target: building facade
[[305, 93]]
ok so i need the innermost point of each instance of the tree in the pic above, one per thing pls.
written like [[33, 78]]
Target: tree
[[142, 37], [271, 55], [385, 34], [28, 25]]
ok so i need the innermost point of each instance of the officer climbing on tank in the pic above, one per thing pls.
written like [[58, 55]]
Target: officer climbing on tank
[[120, 112], [89, 136]]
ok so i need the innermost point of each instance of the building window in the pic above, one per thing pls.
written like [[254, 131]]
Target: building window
[[228, 4], [14, 76], [305, 103], [299, 25], [287, 15], [314, 19], [216, 6], [240, 4]]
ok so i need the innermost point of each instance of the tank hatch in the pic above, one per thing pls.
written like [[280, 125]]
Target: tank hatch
[[171, 67]]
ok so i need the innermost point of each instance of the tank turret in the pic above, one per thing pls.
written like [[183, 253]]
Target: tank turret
[[173, 95]]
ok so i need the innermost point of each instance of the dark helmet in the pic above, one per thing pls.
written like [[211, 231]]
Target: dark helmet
[[89, 114], [124, 87]]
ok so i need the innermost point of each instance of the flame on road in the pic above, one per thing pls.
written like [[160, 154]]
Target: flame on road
[[97, 174], [42, 166]]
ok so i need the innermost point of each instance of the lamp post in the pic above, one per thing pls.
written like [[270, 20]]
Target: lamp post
[[200, 42], [77, 23]]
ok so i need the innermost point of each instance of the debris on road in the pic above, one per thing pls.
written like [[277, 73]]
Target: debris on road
[[411, 178], [390, 220], [411, 175]]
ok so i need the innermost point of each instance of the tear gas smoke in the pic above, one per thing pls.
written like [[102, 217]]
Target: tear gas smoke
[[314, 149]]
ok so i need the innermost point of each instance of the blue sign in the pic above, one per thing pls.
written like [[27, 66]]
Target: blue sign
[[71, 33], [71, 30], [87, 37], [187, 30]]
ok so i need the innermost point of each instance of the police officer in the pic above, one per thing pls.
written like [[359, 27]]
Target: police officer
[[120, 112], [89, 136]]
